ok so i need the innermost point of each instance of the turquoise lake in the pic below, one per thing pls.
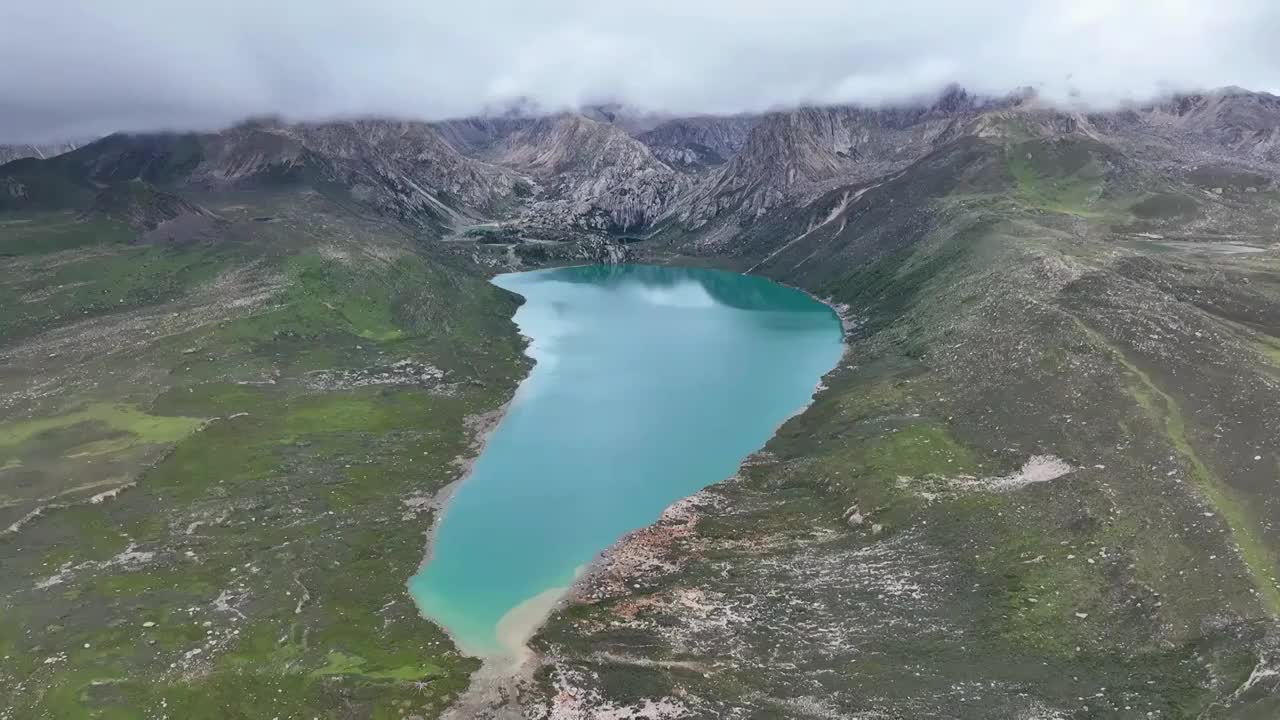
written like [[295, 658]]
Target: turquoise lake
[[650, 383]]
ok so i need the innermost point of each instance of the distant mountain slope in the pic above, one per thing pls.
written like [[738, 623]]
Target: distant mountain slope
[[1228, 138], [793, 153], [611, 171], [400, 169], [9, 153], [158, 216], [1234, 124], [698, 142], [477, 136], [589, 174], [406, 165]]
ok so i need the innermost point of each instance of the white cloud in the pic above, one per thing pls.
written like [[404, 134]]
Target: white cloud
[[70, 68]]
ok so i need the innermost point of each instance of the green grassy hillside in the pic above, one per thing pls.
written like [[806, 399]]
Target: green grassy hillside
[[215, 458]]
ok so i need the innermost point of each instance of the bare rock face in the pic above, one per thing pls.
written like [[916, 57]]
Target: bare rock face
[[601, 251], [590, 175], [1243, 122], [796, 153], [1227, 125], [477, 137], [411, 160], [698, 143], [403, 169]]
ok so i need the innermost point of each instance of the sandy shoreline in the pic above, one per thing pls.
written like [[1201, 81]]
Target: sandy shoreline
[[518, 626]]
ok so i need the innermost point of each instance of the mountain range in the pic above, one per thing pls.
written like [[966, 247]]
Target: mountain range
[[599, 172]]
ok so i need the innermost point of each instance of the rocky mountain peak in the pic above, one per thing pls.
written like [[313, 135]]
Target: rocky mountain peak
[[954, 99], [589, 174], [611, 169], [797, 153], [697, 143]]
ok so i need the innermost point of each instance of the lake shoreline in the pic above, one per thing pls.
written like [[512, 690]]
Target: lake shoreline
[[482, 427], [497, 683]]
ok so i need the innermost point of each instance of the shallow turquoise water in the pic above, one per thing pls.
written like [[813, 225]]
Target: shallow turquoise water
[[650, 383]]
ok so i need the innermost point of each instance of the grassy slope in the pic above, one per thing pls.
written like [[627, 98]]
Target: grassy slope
[[267, 537], [1001, 319]]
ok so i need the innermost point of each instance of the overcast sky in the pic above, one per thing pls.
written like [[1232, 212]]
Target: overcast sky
[[72, 68]]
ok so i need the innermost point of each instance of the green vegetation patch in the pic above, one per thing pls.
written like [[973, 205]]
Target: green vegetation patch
[[891, 285], [62, 288], [1164, 410], [56, 232], [96, 419], [919, 450], [1270, 348], [1062, 176], [1165, 206], [324, 287], [343, 664]]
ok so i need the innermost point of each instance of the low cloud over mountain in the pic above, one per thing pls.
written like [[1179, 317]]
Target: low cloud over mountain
[[74, 69]]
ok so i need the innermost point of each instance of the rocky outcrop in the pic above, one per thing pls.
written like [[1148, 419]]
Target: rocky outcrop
[[590, 175], [795, 153], [1246, 123], [698, 143], [1230, 124], [406, 166], [477, 136], [601, 251]]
